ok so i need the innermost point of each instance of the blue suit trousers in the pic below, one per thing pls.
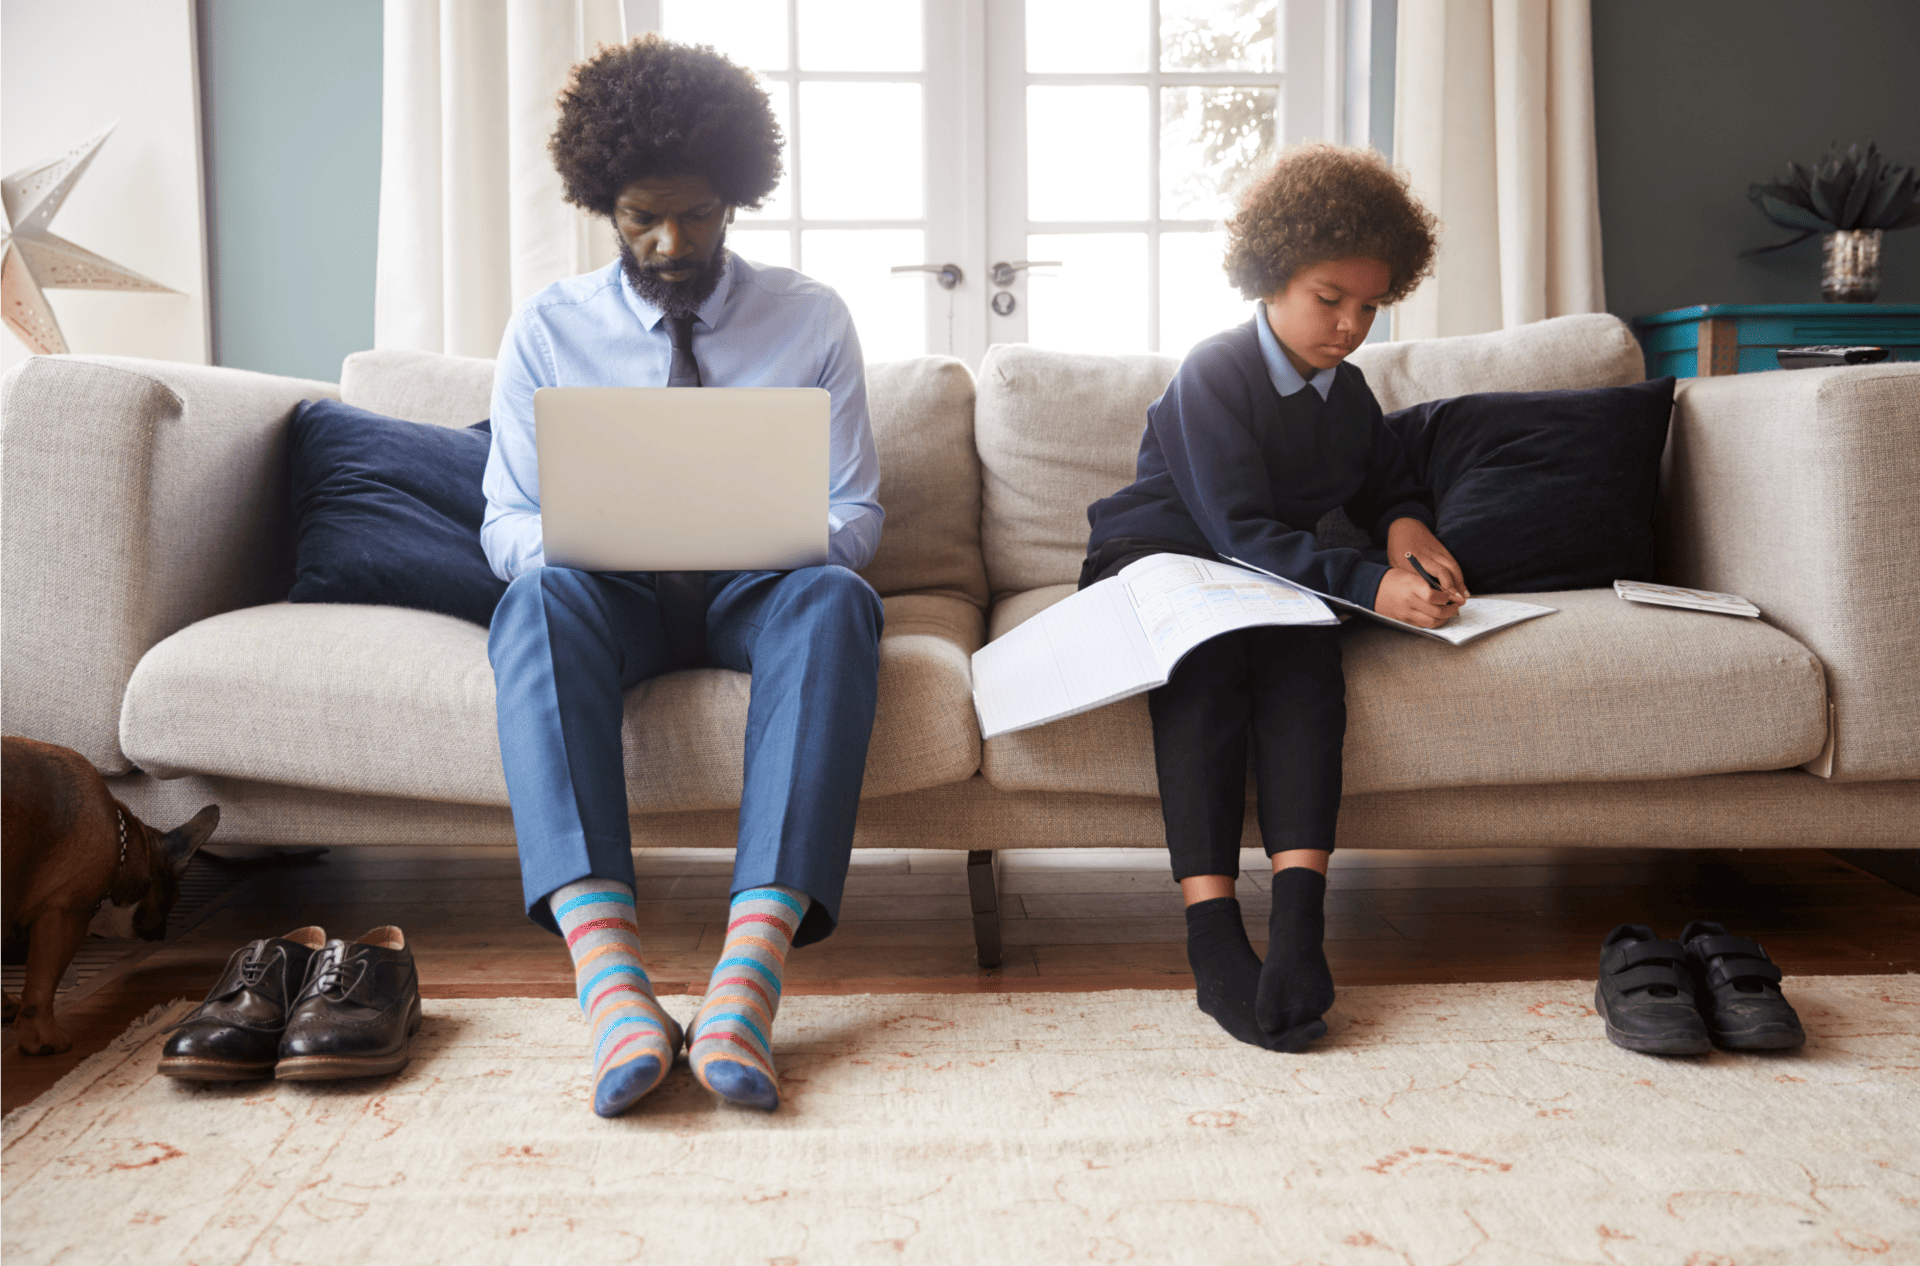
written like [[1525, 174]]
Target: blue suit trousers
[[565, 644]]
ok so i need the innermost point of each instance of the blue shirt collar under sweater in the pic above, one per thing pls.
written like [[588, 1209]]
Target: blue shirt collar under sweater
[[1286, 379]]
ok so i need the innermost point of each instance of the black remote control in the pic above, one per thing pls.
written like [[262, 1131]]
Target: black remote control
[[1828, 354]]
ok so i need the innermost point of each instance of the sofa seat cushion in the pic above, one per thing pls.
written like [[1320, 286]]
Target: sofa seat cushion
[[1601, 691], [392, 702]]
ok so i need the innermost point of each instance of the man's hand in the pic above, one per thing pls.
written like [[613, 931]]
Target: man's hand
[[1410, 536]]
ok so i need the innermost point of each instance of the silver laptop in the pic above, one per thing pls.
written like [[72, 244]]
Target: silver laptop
[[683, 478]]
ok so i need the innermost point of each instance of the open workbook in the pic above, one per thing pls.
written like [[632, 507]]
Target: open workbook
[[1125, 634]]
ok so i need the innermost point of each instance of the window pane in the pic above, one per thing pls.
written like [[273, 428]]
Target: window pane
[[1217, 34], [762, 246], [1097, 300], [859, 34], [1195, 297], [1086, 153], [1210, 140], [752, 33], [889, 309], [1086, 35], [779, 203], [860, 152]]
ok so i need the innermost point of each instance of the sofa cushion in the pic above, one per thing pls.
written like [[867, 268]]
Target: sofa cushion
[[1059, 430], [1056, 431], [391, 702], [388, 512], [419, 386], [1539, 490], [922, 412], [1563, 354], [1601, 691], [922, 415]]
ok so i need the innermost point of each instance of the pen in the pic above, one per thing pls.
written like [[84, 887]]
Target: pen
[[1431, 582]]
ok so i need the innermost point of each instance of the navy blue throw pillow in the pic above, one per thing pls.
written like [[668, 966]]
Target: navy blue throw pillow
[[387, 513], [1543, 490]]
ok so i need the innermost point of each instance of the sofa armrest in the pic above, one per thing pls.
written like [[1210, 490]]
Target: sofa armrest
[[136, 497], [1797, 490]]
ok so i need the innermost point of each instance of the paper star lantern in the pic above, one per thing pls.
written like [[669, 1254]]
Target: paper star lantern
[[36, 260]]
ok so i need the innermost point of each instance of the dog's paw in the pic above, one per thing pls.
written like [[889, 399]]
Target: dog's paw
[[39, 1035]]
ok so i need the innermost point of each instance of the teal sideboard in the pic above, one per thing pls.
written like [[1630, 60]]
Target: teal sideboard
[[1740, 338]]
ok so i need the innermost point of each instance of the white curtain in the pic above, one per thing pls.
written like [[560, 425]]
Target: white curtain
[[471, 214], [1493, 119]]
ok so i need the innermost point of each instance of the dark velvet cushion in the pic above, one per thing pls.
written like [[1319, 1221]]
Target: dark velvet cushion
[[1543, 490], [387, 513]]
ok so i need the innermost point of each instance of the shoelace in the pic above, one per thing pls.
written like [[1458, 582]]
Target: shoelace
[[253, 969], [329, 977]]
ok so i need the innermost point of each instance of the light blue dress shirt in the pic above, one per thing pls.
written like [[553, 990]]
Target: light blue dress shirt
[[761, 327], [1287, 379]]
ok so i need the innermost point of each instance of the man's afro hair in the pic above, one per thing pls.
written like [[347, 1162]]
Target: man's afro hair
[[1322, 202], [651, 108]]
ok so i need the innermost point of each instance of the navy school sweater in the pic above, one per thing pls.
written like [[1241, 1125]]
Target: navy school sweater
[[1229, 467]]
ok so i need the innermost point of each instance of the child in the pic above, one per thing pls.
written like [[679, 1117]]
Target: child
[[1263, 430]]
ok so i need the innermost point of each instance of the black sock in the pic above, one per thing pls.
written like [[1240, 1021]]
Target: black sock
[[1226, 971], [1296, 988]]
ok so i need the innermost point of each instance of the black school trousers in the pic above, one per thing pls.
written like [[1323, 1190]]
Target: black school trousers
[[1277, 694]]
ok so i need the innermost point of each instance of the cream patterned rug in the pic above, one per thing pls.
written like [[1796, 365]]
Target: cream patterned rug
[[1482, 1124]]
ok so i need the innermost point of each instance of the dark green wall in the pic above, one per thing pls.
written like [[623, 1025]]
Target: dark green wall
[[290, 116], [1694, 100]]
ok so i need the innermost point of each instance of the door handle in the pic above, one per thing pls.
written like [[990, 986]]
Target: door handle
[[1003, 272], [948, 275]]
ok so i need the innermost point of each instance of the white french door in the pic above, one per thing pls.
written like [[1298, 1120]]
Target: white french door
[[1051, 171]]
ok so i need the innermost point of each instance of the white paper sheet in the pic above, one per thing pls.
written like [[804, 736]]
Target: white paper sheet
[[1079, 654], [1122, 637], [1476, 617]]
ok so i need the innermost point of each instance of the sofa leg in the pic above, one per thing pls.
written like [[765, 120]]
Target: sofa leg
[[983, 886]]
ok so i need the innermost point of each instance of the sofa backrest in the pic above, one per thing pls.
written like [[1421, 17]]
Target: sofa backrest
[[922, 412], [1059, 430]]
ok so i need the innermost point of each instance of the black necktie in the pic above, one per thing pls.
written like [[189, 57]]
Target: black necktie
[[683, 370], [683, 594]]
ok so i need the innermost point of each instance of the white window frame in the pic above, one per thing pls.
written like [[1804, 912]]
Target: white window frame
[[975, 78]]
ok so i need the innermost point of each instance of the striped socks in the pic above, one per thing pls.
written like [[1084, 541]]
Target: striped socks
[[732, 1050], [634, 1041]]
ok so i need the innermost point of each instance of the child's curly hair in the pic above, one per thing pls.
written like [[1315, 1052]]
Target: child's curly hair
[[1322, 202], [651, 107]]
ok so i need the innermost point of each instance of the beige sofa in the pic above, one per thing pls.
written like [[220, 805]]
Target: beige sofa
[[147, 550]]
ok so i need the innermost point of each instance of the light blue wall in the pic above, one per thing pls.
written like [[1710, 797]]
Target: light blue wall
[[290, 95], [1695, 101]]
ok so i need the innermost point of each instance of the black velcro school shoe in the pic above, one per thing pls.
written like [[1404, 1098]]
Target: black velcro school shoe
[[1645, 996], [1739, 989], [357, 1015], [235, 1034]]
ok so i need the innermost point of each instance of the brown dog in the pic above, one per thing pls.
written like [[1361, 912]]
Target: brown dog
[[68, 846]]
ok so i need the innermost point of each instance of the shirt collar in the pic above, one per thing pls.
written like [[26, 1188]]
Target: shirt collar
[[709, 313], [1287, 379]]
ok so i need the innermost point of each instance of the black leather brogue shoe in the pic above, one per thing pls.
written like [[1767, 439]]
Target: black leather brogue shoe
[[357, 1015], [235, 1034]]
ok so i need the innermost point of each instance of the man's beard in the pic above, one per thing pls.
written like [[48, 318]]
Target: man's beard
[[675, 298]]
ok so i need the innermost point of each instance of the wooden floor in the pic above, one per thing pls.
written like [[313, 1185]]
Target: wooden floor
[[1072, 920]]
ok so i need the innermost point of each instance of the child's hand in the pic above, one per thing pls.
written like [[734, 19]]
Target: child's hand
[[1410, 536], [1404, 596]]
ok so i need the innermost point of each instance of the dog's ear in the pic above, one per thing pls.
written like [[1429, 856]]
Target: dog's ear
[[184, 840]]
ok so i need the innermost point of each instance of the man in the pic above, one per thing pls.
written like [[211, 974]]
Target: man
[[667, 141]]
